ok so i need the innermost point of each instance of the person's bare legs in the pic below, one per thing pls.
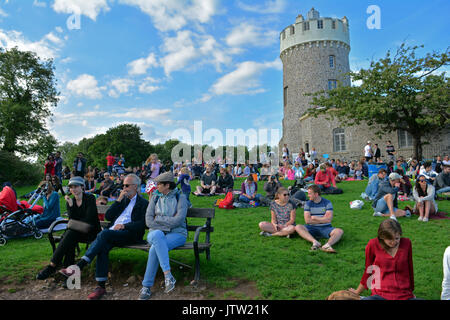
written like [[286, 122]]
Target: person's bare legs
[[390, 203], [267, 227], [420, 207], [303, 232], [335, 236]]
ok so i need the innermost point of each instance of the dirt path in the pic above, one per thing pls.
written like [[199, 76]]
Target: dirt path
[[124, 289]]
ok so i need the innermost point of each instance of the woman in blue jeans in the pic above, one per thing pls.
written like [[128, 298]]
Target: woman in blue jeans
[[166, 220]]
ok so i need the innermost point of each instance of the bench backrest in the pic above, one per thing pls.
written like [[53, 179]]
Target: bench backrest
[[201, 213]]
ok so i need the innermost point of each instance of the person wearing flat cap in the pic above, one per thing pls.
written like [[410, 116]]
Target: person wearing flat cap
[[385, 203], [127, 227], [80, 208], [166, 220]]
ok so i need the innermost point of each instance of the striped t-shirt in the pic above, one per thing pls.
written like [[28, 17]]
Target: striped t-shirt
[[319, 209]]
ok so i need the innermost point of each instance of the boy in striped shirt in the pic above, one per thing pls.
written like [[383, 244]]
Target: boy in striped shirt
[[318, 214]]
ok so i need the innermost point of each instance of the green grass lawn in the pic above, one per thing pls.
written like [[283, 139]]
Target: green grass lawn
[[282, 268]]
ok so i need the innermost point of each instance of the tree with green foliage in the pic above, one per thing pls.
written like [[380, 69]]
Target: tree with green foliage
[[27, 94], [400, 92]]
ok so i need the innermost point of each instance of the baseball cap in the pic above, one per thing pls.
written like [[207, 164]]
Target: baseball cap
[[394, 176]]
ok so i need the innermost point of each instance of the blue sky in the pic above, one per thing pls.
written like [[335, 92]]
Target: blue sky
[[163, 64]]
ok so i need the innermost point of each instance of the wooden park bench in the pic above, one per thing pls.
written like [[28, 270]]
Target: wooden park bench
[[196, 245]]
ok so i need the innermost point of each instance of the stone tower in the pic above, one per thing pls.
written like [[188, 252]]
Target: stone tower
[[314, 52]]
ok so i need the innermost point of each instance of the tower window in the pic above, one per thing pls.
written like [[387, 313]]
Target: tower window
[[292, 30], [332, 84], [332, 60], [306, 26], [285, 94], [333, 24], [319, 24], [339, 140], [405, 139], [283, 35]]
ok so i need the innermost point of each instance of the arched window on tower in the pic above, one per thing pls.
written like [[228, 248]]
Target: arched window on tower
[[319, 24], [339, 140]]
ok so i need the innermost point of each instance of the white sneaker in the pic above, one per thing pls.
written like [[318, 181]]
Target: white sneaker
[[420, 218], [377, 214], [393, 218], [425, 220]]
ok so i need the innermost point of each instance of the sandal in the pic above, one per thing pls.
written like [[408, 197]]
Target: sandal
[[328, 249]]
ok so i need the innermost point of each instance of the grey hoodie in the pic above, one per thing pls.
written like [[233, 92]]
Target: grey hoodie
[[167, 214]]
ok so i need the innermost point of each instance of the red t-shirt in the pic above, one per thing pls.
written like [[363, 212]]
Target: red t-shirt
[[110, 160], [396, 274], [50, 168]]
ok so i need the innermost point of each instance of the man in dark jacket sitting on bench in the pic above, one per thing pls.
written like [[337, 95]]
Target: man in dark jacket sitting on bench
[[127, 216]]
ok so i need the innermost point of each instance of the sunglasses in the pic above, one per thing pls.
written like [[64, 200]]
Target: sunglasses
[[422, 180], [285, 194], [127, 185]]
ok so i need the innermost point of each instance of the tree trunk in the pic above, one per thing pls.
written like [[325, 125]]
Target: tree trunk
[[418, 147]]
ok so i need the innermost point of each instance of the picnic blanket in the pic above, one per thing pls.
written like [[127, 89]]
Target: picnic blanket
[[437, 216]]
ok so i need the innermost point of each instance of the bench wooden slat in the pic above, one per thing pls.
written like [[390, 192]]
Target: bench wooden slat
[[186, 246], [200, 213]]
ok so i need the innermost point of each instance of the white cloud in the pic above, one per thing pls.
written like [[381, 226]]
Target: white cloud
[[46, 48], [147, 85], [140, 66], [243, 80], [270, 6], [145, 114], [59, 29], [90, 8], [3, 13], [187, 47], [85, 86], [170, 15], [247, 34], [120, 86], [36, 3]]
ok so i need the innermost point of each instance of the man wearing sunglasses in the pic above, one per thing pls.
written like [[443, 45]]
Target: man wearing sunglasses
[[127, 216]]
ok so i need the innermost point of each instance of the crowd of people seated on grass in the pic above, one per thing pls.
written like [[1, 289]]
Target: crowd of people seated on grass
[[165, 211]]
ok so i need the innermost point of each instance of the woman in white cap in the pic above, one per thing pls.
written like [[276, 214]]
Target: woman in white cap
[[166, 220], [80, 208]]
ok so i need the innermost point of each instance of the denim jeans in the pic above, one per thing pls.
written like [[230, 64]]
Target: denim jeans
[[105, 241], [158, 254], [442, 190], [372, 189], [247, 200]]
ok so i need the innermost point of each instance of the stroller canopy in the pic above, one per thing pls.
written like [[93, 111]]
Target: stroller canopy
[[8, 199]]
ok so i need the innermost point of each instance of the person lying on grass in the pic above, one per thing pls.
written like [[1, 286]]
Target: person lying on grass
[[318, 213], [389, 271], [283, 216]]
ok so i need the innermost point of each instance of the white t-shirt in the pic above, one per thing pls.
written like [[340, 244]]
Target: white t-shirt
[[367, 151]]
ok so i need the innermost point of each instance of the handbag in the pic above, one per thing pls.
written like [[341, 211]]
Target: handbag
[[80, 226]]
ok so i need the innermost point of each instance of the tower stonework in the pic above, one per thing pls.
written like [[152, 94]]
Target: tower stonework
[[314, 53]]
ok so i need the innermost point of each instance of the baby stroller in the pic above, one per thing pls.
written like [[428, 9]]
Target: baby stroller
[[17, 220]]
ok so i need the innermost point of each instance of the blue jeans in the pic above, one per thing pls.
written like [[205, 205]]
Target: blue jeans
[[105, 241], [383, 207], [319, 232], [372, 189], [161, 244], [187, 193], [443, 190], [247, 200]]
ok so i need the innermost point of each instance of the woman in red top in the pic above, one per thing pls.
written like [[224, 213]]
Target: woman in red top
[[389, 266], [50, 164]]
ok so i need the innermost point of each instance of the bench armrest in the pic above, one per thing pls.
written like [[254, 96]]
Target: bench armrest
[[197, 232], [50, 232]]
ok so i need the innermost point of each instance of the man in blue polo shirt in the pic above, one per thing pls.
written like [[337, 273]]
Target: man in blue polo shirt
[[318, 214]]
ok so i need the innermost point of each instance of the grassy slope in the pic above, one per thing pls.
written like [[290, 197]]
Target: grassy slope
[[282, 268]]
